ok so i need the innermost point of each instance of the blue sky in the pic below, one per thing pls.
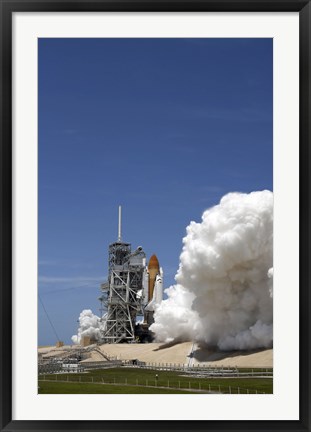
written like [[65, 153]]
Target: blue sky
[[163, 127]]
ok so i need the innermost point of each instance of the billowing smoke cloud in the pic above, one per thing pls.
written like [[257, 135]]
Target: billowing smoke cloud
[[89, 325], [223, 295]]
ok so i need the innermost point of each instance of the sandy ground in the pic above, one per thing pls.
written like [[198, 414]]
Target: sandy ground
[[151, 352], [188, 353], [47, 349], [52, 351], [179, 353], [94, 356], [255, 358]]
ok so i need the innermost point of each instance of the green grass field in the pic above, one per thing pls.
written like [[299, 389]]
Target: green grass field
[[84, 388], [134, 380]]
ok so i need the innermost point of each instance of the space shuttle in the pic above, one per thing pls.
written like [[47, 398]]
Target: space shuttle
[[153, 289]]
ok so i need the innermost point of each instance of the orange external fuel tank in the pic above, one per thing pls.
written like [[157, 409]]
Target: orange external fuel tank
[[153, 270]]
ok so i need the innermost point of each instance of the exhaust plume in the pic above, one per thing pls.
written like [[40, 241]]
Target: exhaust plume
[[223, 295], [89, 325]]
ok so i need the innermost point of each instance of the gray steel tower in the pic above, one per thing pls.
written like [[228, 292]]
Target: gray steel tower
[[123, 293]]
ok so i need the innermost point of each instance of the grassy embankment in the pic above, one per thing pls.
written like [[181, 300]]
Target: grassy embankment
[[128, 380], [85, 388]]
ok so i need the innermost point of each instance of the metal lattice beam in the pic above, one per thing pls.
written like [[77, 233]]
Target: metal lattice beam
[[123, 301]]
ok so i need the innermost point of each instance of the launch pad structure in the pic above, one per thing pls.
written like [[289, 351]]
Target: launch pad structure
[[126, 294]]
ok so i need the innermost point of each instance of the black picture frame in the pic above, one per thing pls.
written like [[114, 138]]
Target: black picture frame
[[8, 7]]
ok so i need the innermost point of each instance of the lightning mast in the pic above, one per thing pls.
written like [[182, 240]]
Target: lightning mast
[[123, 293]]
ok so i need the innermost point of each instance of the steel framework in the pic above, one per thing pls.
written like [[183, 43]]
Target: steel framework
[[123, 294]]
